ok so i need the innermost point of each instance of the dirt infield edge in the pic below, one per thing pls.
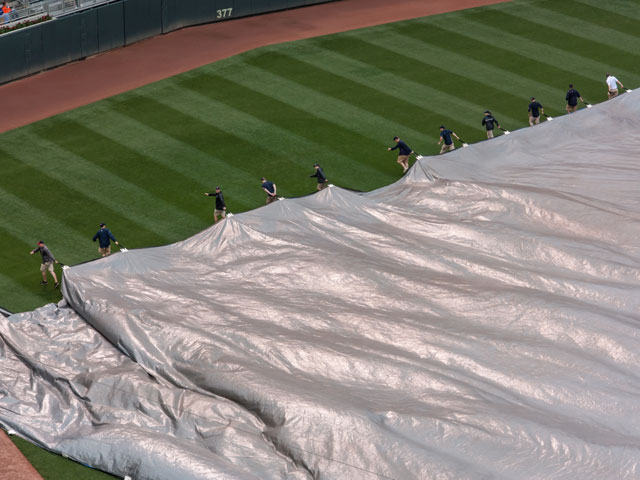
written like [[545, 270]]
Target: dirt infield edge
[[13, 465]]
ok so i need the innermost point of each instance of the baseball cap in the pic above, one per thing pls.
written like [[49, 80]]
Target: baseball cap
[[316, 165], [40, 242], [217, 188], [442, 126], [103, 224]]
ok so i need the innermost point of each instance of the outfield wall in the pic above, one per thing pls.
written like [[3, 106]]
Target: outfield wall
[[122, 22]]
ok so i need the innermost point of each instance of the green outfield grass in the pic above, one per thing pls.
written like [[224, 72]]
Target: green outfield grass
[[141, 161]]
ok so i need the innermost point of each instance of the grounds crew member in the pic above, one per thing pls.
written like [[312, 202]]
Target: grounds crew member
[[270, 189], [535, 110], [612, 84], [322, 179], [403, 153], [490, 122], [221, 207], [572, 97], [47, 263], [105, 236], [448, 141]]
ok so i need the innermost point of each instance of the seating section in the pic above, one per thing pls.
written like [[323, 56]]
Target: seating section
[[23, 10]]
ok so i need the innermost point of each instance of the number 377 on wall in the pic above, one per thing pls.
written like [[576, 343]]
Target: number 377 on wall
[[224, 13]]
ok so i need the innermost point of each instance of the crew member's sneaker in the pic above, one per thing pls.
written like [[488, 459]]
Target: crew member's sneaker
[[44, 283], [57, 284]]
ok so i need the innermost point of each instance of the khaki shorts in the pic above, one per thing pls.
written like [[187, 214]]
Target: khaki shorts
[[533, 120], [613, 93], [222, 213], [402, 158], [271, 199], [105, 251], [572, 108], [446, 147], [46, 266]]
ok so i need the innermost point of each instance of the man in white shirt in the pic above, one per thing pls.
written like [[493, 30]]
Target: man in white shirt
[[612, 84]]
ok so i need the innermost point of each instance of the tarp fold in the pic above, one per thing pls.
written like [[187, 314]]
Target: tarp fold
[[479, 318]]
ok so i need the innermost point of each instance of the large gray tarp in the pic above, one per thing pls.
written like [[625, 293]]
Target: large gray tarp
[[482, 325]]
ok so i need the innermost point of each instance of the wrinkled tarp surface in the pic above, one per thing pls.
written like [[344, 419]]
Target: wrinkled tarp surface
[[482, 325]]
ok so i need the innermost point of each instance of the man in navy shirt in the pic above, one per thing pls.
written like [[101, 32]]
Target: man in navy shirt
[[322, 179], [448, 141], [535, 109], [489, 121], [47, 263], [572, 97], [105, 236], [221, 207], [270, 189], [403, 153]]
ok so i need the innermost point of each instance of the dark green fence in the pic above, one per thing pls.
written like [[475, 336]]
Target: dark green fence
[[116, 24]]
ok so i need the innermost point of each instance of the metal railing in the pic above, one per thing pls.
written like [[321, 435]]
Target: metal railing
[[26, 9], [57, 8], [22, 10]]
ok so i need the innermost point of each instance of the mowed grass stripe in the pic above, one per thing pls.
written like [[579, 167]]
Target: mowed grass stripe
[[146, 141], [45, 193], [556, 70], [209, 138], [285, 119], [210, 91], [407, 105], [535, 29], [380, 130], [498, 89], [281, 141], [465, 87], [24, 220], [487, 60], [586, 22], [69, 206], [117, 158], [564, 66], [405, 101], [99, 184], [206, 171], [614, 9], [345, 115]]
